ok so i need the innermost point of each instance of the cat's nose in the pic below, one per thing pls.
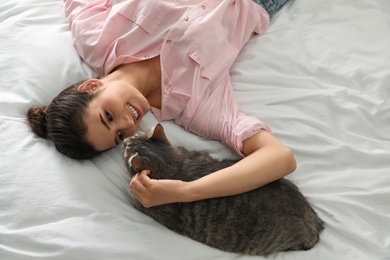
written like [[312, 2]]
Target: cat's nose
[[126, 142]]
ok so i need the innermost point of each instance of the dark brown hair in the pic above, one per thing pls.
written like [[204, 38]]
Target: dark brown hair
[[62, 122]]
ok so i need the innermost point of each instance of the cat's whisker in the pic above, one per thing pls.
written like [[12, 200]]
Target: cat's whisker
[[131, 159]]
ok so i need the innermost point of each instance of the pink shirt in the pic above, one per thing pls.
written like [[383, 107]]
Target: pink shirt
[[197, 40]]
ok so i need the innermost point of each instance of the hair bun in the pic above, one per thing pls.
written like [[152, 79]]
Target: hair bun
[[36, 116]]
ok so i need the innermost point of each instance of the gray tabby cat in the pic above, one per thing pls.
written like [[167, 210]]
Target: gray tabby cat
[[275, 217]]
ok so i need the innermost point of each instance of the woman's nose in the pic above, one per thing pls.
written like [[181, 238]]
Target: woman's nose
[[126, 124], [127, 120], [128, 127]]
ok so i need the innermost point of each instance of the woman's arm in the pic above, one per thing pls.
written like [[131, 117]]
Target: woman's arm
[[266, 160]]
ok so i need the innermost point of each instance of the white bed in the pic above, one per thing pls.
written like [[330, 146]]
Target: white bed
[[320, 77]]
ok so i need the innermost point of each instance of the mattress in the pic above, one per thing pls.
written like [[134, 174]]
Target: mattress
[[319, 77]]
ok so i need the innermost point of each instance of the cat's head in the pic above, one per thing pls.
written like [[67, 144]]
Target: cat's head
[[147, 151]]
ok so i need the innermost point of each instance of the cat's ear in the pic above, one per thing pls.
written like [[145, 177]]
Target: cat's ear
[[158, 134], [136, 163]]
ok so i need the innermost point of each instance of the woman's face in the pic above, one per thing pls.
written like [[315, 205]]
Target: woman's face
[[113, 115]]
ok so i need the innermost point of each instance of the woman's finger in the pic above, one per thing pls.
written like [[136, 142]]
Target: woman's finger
[[136, 184], [144, 178]]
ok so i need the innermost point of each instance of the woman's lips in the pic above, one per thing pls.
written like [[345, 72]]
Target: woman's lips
[[136, 113]]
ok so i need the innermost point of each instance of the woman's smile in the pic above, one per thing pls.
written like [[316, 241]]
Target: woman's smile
[[134, 110]]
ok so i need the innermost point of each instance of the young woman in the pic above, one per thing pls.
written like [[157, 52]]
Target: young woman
[[173, 58]]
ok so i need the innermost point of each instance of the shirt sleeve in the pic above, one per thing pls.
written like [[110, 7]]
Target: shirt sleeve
[[218, 116], [242, 128], [234, 126]]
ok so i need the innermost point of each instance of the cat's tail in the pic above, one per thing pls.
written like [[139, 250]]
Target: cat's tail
[[314, 229], [308, 233], [302, 234]]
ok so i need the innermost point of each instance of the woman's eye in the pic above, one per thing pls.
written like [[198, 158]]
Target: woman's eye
[[109, 116], [120, 135]]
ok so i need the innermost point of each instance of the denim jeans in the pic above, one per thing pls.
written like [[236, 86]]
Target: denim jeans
[[272, 6]]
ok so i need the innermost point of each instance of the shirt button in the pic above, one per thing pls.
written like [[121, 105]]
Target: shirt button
[[203, 7], [146, 56], [135, 18], [168, 90], [186, 19], [168, 41]]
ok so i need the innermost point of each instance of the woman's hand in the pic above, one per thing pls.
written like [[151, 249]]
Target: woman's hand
[[155, 192]]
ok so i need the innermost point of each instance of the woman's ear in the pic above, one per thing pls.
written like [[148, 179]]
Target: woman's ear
[[90, 86]]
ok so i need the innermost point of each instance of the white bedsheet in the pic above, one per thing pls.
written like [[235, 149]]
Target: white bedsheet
[[320, 77]]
